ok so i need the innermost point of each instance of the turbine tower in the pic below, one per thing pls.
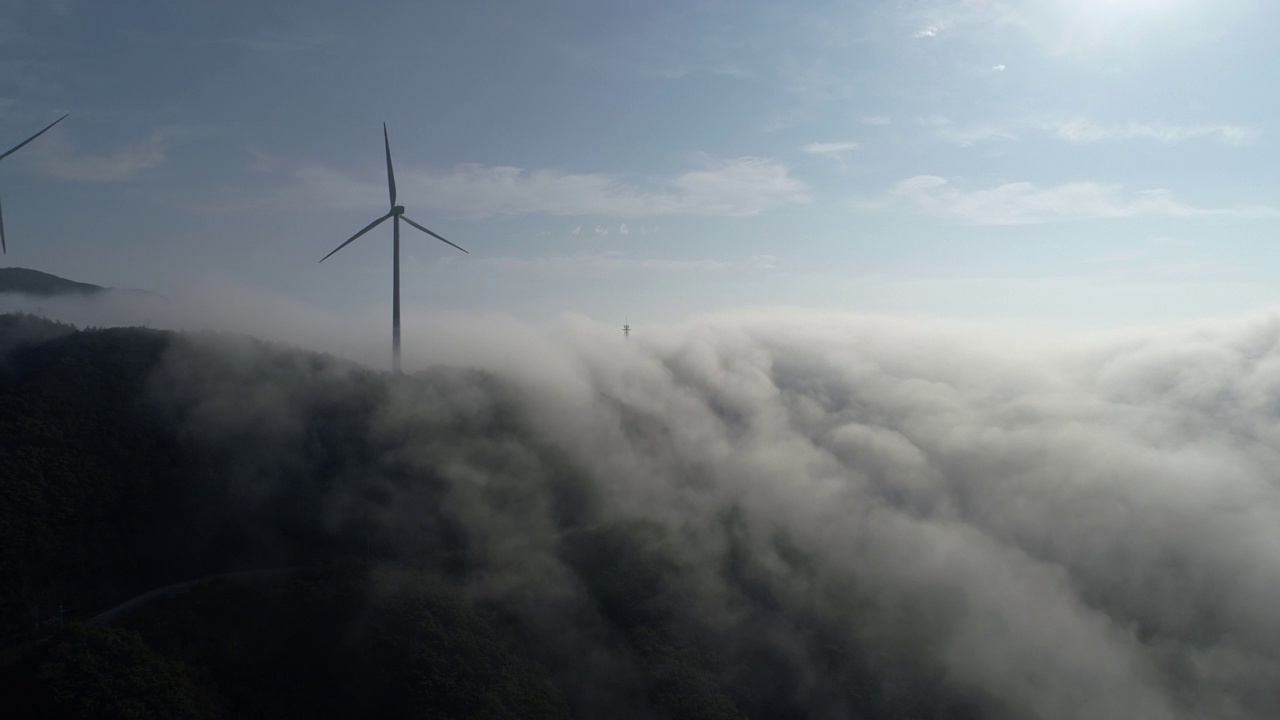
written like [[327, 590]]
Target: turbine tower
[[396, 213], [626, 329], [3, 248]]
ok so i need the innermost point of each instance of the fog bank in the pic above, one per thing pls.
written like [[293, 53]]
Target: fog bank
[[1065, 526]]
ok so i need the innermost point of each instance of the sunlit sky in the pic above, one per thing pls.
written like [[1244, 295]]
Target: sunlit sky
[[1078, 162]]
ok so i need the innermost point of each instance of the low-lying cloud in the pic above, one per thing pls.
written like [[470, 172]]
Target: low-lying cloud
[[1077, 530]]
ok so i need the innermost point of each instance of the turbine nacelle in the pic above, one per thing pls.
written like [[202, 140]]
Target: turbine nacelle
[[397, 210]]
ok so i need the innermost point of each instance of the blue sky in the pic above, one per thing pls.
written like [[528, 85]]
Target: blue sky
[[1077, 162]]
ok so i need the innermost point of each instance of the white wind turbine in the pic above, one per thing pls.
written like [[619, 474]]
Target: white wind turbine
[[396, 213], [3, 248]]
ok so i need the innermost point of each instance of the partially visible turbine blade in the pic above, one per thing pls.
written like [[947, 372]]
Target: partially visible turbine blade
[[391, 174], [15, 148], [3, 249], [406, 219], [366, 229]]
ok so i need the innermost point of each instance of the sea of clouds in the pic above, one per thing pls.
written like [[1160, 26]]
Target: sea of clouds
[[1072, 526]]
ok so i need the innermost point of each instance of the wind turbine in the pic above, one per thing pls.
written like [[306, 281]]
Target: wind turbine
[[11, 151], [396, 213]]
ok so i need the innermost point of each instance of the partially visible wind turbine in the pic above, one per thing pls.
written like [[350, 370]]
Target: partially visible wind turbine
[[11, 151], [397, 213]]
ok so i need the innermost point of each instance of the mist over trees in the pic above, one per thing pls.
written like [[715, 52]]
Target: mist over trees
[[789, 516]]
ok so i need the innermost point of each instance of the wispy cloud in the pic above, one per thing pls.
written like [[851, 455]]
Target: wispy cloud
[[967, 135], [58, 158], [1024, 203], [831, 149], [680, 72], [1084, 131], [958, 17], [267, 41], [735, 187], [611, 264]]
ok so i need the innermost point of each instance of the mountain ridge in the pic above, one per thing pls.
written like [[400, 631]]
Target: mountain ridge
[[39, 284], [414, 507], [43, 284]]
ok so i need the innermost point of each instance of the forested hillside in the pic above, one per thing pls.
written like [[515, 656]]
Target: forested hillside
[[432, 555], [41, 284]]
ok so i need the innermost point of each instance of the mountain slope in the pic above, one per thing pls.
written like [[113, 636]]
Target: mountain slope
[[34, 282], [449, 561]]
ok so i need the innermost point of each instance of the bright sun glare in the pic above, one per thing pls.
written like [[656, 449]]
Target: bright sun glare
[[1128, 6], [1105, 17]]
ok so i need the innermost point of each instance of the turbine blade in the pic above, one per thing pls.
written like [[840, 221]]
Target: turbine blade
[[391, 174], [441, 239], [366, 229], [3, 249], [15, 148]]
